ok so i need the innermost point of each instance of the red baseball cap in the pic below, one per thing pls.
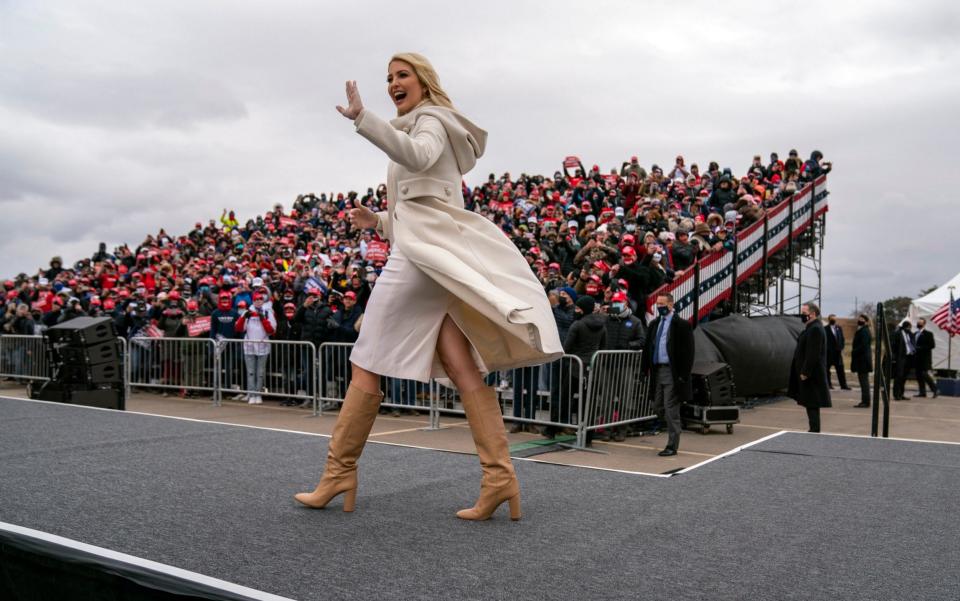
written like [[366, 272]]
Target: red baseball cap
[[350, 294]]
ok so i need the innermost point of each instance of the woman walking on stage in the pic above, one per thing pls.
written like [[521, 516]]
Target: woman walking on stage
[[455, 301]]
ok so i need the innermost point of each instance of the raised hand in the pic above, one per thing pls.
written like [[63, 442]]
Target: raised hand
[[361, 216], [355, 105]]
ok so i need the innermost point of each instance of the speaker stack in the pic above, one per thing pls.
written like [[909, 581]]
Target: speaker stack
[[85, 360], [713, 397]]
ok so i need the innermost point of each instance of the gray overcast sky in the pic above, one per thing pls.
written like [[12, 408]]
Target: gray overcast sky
[[117, 118]]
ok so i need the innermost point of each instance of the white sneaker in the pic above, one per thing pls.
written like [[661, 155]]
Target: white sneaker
[[259, 400], [240, 397], [252, 400]]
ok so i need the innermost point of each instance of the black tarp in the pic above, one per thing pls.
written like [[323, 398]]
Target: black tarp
[[758, 349]]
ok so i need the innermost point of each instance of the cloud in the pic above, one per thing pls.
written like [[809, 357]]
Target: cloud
[[117, 119]]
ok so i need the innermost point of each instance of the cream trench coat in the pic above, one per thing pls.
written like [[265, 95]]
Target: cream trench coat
[[499, 304]]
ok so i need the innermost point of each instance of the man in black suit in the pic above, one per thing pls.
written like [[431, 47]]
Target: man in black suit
[[808, 373], [668, 360], [924, 359], [904, 352], [835, 344], [861, 360]]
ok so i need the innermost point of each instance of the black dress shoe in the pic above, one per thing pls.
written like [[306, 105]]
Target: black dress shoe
[[667, 453], [919, 396], [862, 405], [845, 388]]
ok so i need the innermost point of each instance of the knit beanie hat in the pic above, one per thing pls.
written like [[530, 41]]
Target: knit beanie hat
[[571, 292], [586, 304]]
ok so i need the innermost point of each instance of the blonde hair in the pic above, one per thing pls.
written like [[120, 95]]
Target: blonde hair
[[427, 76]]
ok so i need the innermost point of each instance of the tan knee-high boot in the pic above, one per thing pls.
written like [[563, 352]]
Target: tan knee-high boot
[[499, 482], [353, 426]]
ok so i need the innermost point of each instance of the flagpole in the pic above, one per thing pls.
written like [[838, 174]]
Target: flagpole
[[952, 323]]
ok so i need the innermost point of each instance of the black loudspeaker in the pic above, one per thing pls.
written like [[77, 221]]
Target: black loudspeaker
[[105, 398], [105, 352], [79, 374], [85, 359], [712, 384], [82, 331]]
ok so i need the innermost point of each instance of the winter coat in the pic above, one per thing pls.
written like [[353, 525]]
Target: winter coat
[[313, 321], [346, 321], [810, 360], [500, 305], [625, 332], [861, 360], [925, 344], [586, 336], [256, 327], [564, 316]]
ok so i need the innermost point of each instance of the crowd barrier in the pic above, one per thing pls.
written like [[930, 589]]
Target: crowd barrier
[[271, 368], [188, 364], [398, 394], [545, 395], [23, 358], [617, 394], [716, 277], [558, 394]]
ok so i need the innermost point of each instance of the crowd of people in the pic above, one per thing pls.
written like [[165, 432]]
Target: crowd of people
[[601, 243]]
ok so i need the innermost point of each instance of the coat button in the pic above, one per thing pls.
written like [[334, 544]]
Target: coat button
[[404, 190], [447, 190]]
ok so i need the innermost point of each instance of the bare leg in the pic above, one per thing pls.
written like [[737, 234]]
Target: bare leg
[[365, 380], [454, 350]]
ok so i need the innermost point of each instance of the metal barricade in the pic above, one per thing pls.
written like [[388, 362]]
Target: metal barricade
[[182, 364], [336, 373], [548, 395], [616, 393], [276, 369], [23, 357]]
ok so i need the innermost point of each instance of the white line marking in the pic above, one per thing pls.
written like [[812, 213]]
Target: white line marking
[[143, 563], [730, 452]]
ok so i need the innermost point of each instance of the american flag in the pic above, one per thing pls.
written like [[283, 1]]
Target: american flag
[[948, 316]]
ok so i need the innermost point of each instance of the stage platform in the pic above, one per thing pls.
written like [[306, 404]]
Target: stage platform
[[793, 516]]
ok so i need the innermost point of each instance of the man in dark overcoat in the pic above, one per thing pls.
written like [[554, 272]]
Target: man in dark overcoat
[[861, 359], [808, 374], [904, 351], [924, 359]]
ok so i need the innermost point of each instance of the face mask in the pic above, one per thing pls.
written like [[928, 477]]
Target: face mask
[[833, 322], [861, 323], [663, 310], [804, 317], [631, 227], [204, 289], [617, 307], [562, 301]]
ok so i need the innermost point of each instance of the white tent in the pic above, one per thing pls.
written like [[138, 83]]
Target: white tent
[[927, 305]]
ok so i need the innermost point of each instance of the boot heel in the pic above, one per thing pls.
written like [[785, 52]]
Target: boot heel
[[349, 500], [514, 507]]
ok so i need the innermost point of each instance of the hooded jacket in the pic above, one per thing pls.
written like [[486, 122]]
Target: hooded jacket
[[500, 305], [586, 336]]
